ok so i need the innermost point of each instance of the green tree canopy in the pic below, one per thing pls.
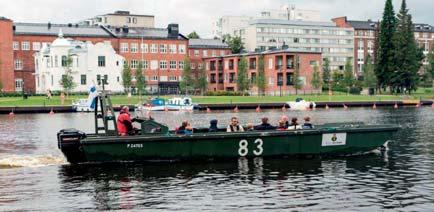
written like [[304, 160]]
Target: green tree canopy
[[67, 80], [369, 77], [298, 84], [140, 80], [348, 80], [201, 82], [326, 75], [193, 35], [261, 83], [187, 81], [235, 43], [242, 75], [126, 77], [316, 78]]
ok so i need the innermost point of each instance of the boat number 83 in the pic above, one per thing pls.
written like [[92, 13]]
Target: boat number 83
[[243, 148]]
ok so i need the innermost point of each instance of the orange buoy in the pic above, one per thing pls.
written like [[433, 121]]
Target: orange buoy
[[236, 109], [432, 105], [208, 110], [51, 111], [284, 108], [418, 105], [327, 107], [396, 106], [374, 106], [258, 109], [345, 107], [166, 109], [12, 113]]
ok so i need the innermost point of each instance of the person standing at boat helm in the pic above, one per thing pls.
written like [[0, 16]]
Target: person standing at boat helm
[[124, 123], [234, 126]]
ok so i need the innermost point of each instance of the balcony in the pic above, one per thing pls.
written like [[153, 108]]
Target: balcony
[[252, 66], [289, 66], [279, 67], [220, 81], [220, 68], [212, 68]]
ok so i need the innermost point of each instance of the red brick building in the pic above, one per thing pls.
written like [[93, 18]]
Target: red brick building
[[203, 48], [162, 51], [279, 70], [364, 38]]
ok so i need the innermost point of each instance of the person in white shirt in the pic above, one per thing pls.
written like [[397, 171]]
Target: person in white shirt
[[234, 126]]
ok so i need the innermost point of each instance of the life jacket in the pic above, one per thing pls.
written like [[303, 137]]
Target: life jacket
[[124, 123]]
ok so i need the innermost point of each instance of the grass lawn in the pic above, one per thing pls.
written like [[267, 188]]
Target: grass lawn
[[122, 99]]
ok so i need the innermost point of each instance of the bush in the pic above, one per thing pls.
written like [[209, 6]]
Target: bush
[[226, 93], [355, 90]]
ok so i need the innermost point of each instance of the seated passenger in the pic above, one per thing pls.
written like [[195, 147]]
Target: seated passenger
[[294, 124], [234, 126], [213, 126], [265, 125], [181, 130], [282, 126], [124, 123], [188, 129], [250, 127], [286, 120], [307, 124]]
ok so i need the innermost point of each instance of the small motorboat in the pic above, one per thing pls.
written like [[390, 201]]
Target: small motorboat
[[82, 105], [173, 104], [301, 104], [153, 141]]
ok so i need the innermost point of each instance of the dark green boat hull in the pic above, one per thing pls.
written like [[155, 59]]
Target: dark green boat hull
[[230, 146]]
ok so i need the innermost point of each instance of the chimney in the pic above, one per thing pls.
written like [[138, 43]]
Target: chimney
[[173, 30], [69, 25], [49, 25], [14, 27]]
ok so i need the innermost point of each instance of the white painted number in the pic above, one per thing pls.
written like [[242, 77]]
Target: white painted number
[[259, 148], [243, 150]]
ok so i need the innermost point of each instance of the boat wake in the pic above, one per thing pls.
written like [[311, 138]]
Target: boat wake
[[18, 161]]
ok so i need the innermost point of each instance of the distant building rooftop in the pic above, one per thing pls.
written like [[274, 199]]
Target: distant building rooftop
[[292, 22], [127, 13], [207, 44], [371, 25]]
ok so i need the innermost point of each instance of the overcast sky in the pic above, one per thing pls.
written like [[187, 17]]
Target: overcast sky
[[198, 14]]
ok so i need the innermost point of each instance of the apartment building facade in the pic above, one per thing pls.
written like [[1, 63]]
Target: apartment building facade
[[364, 39], [335, 43], [204, 48], [162, 51], [120, 19], [279, 66]]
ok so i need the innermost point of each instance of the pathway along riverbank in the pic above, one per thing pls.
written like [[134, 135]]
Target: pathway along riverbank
[[240, 106]]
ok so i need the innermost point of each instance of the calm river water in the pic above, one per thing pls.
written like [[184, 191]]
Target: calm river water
[[34, 175]]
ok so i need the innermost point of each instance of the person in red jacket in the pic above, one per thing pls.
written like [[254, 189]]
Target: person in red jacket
[[124, 123]]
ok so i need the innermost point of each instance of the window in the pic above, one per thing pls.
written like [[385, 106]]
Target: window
[[163, 48], [56, 61], [172, 48], [16, 45], [163, 64], [193, 65], [154, 48], [172, 65], [134, 64], [101, 61], [196, 52], [135, 20], [214, 53], [154, 64], [25, 46], [83, 79], [18, 64], [144, 47], [222, 53], [181, 65], [145, 64], [182, 49], [18, 84], [205, 53], [173, 78], [36, 46], [134, 48], [154, 78], [124, 47], [270, 63]]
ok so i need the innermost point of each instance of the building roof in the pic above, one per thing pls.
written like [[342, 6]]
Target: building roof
[[292, 22], [207, 44], [53, 30], [275, 51], [127, 13], [371, 25], [76, 30]]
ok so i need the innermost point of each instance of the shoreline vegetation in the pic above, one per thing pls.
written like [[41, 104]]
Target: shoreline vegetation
[[421, 94]]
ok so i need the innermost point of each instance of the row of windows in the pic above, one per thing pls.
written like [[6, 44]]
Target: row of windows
[[25, 45], [152, 48], [155, 64], [305, 40], [276, 30], [205, 53]]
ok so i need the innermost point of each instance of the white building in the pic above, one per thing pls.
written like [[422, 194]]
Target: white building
[[121, 19], [235, 25], [91, 63], [335, 43]]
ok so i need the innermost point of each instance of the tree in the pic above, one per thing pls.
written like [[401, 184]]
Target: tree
[[430, 58], [140, 80], [348, 80], [298, 84], [326, 77], [67, 80], [260, 78], [201, 82], [242, 75], [336, 82], [316, 78], [126, 77], [407, 55], [385, 61], [235, 43], [187, 82], [369, 77], [427, 78], [193, 35]]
